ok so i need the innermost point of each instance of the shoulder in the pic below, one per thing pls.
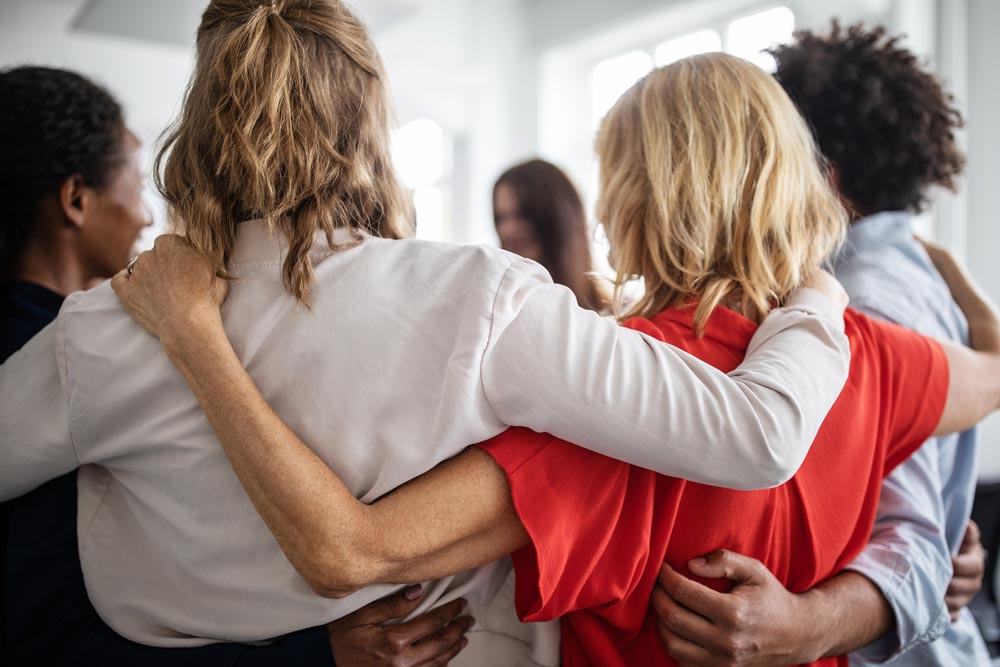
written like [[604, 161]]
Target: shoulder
[[896, 282], [97, 300], [881, 348]]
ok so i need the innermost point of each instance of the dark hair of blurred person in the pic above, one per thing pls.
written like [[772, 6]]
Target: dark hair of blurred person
[[71, 186], [883, 121], [539, 215]]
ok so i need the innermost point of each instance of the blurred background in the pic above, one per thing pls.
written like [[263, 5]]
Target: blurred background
[[481, 84]]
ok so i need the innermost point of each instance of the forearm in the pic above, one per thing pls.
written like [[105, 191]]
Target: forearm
[[980, 312], [316, 520], [974, 390], [853, 611], [456, 516]]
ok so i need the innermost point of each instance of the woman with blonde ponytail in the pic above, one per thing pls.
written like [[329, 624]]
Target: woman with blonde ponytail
[[386, 355]]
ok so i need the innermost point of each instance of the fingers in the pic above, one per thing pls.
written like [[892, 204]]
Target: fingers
[[442, 646], [971, 564], [395, 606], [823, 281], [723, 564], [686, 653], [682, 622], [688, 593], [972, 538], [444, 659], [432, 621], [119, 282]]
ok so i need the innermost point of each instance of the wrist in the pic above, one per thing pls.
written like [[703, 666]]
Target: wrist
[[186, 335], [814, 639]]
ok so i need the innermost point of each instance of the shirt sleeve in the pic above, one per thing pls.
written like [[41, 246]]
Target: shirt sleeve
[[913, 379], [589, 547], [908, 557], [34, 415], [554, 367]]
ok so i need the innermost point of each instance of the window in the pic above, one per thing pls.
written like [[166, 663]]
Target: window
[[749, 36], [613, 77], [702, 41], [418, 153], [746, 37]]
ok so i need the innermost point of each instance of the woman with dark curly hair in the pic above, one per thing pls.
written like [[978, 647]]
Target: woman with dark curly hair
[[887, 127]]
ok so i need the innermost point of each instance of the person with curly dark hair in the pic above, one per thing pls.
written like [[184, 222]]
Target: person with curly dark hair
[[71, 183], [887, 127]]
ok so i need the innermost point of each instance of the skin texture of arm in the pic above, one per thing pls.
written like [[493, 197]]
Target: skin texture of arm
[[759, 623], [974, 389], [463, 506]]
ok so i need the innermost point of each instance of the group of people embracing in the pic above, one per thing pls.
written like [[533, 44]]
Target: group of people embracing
[[290, 423]]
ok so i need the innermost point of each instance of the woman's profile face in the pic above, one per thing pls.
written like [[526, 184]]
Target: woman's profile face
[[517, 235], [117, 214]]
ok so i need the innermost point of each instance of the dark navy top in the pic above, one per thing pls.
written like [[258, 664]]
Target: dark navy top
[[46, 617]]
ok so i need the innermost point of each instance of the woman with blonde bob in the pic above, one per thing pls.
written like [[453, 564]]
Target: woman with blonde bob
[[388, 355], [713, 195]]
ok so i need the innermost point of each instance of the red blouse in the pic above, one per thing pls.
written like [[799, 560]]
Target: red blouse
[[601, 528]]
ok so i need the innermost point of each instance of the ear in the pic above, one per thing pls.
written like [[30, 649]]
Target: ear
[[71, 199]]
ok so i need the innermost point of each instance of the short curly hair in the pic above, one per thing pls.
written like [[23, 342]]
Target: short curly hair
[[883, 121], [54, 124]]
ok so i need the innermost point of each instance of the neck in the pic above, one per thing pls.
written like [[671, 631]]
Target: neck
[[54, 265]]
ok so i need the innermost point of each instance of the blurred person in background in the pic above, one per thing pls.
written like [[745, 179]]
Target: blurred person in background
[[539, 215], [887, 127], [71, 179]]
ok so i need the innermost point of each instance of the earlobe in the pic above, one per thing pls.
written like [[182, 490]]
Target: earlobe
[[72, 200]]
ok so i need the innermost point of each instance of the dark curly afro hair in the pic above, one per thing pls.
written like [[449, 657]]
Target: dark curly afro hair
[[884, 122], [54, 124]]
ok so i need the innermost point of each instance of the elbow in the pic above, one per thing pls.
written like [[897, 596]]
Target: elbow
[[335, 575], [775, 463]]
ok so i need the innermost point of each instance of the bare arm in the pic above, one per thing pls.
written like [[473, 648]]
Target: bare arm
[[457, 516], [974, 388]]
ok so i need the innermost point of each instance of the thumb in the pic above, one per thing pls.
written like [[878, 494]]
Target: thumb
[[724, 564], [395, 606], [972, 535]]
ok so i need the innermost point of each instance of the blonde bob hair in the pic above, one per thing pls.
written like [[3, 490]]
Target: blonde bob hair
[[712, 188], [286, 119]]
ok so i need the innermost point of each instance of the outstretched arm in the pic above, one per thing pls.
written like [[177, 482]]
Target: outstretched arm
[[974, 389], [457, 516]]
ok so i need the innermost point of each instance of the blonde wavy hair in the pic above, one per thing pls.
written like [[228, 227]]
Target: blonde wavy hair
[[286, 119], [712, 188]]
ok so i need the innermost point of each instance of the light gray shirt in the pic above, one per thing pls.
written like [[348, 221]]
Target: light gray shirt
[[926, 501], [411, 351]]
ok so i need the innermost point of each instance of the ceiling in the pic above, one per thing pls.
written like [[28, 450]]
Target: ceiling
[[175, 22]]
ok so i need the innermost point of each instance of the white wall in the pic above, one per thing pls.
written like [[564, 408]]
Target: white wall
[[147, 78], [983, 180]]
